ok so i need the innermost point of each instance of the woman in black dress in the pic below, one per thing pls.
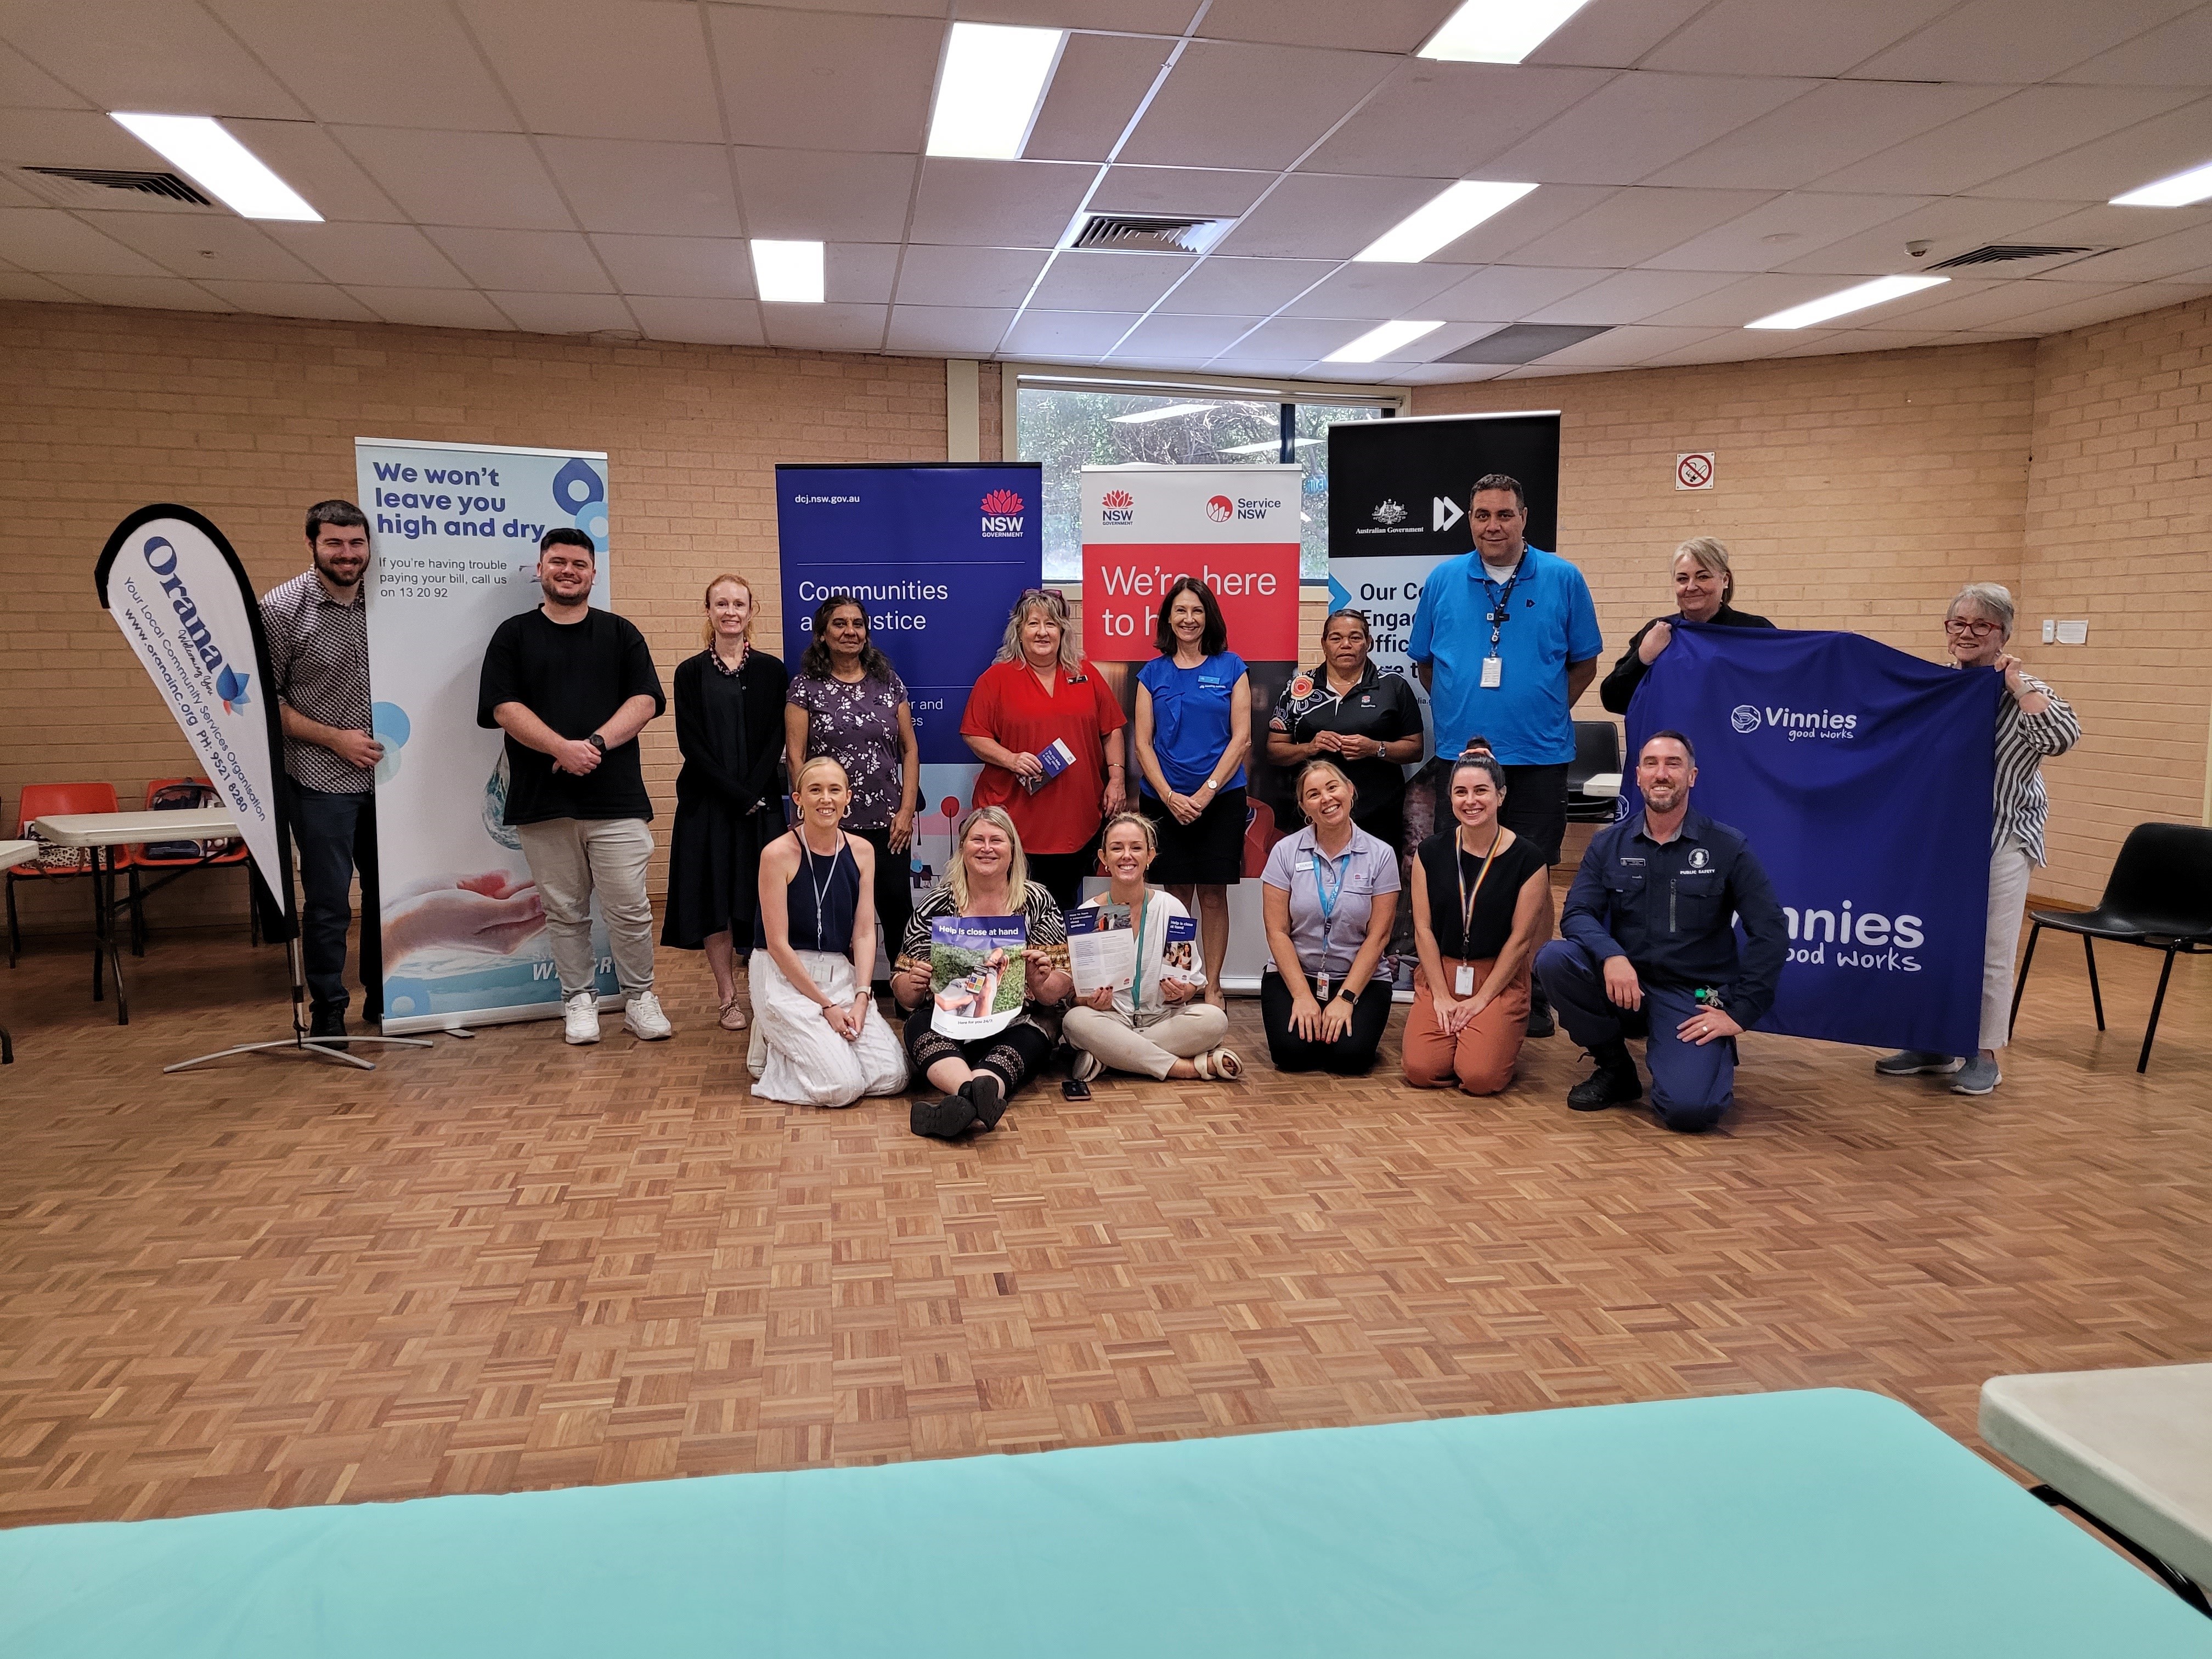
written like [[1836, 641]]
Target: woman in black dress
[[729, 724]]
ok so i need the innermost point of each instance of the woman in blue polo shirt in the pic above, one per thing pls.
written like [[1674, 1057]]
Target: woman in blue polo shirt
[[1194, 723]]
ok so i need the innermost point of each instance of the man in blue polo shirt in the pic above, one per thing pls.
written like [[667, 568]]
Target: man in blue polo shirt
[[1505, 639]]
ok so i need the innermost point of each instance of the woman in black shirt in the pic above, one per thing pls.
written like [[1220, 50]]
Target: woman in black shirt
[[1344, 709], [1703, 585], [729, 724], [1481, 902]]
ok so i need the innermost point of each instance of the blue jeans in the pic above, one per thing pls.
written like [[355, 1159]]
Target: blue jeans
[[336, 836], [1691, 1085]]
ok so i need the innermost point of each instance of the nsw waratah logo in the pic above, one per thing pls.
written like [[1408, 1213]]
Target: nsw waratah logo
[[1117, 507], [1002, 513], [1219, 507], [1390, 512]]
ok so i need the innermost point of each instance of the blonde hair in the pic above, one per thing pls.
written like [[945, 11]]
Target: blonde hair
[[1709, 553], [707, 628], [1152, 830], [831, 760], [1298, 790], [1018, 867], [1052, 604]]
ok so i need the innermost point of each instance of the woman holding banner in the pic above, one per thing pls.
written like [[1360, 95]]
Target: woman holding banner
[[1704, 589], [992, 1044], [1048, 729], [1193, 725], [729, 725]]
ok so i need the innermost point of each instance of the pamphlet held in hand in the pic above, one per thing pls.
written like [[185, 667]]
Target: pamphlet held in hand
[[1102, 951], [1180, 959], [978, 977], [1055, 757]]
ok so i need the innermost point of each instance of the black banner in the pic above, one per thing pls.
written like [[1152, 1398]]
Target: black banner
[[1399, 488]]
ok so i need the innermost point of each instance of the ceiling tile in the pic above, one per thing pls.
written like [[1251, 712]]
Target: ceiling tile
[[397, 63], [1325, 217], [432, 307], [59, 244], [1510, 294], [975, 330], [1313, 337], [154, 55], [2017, 40], [1631, 226], [476, 178], [1622, 348], [2104, 308], [997, 204], [293, 299], [1101, 81], [565, 313], [1729, 345], [2187, 250], [2172, 55], [2109, 227], [825, 79], [649, 77], [695, 267], [69, 138], [1231, 287], [859, 273], [1535, 215], [308, 159], [1108, 281], [1144, 16], [622, 184], [1953, 226], [1440, 120], [1213, 192], [181, 243], [525, 261], [825, 327], [1990, 304], [1997, 142], [1637, 123], [963, 278], [1829, 343], [1376, 292], [24, 85], [1184, 339], [1759, 37], [22, 285], [1790, 226], [1747, 299], [939, 10], [1830, 127], [2109, 167], [1615, 36], [378, 256], [1397, 26], [158, 293], [1227, 105], [1077, 333], [704, 322], [825, 196], [1631, 296]]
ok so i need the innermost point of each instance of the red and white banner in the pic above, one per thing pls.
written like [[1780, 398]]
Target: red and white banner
[[1236, 528]]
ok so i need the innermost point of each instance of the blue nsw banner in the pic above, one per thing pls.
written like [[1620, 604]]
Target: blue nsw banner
[[937, 553], [1862, 778]]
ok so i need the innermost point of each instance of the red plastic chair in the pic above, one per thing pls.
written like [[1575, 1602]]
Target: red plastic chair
[[177, 793], [44, 801]]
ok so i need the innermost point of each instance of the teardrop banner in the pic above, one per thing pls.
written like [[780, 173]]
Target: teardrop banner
[[174, 586]]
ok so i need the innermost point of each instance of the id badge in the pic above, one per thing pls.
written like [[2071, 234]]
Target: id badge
[[1493, 673], [1463, 980], [1321, 987]]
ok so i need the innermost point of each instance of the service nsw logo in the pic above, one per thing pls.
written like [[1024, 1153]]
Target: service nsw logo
[[1117, 507], [1002, 513]]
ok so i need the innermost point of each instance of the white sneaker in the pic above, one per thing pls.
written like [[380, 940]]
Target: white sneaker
[[582, 1012], [643, 1018]]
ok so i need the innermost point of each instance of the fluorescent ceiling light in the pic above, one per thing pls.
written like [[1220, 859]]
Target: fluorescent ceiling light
[[788, 271], [2180, 190], [1272, 446], [1167, 413], [1879, 291], [1446, 218], [1498, 30], [198, 145], [1381, 342], [989, 90]]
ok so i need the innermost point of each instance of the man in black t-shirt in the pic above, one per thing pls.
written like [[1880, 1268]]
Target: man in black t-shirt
[[571, 687]]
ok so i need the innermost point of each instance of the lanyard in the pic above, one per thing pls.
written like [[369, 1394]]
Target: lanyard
[[1137, 982], [1465, 899], [1327, 896], [1500, 611], [820, 888]]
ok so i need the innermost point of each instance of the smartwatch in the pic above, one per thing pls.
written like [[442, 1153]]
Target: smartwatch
[[597, 742]]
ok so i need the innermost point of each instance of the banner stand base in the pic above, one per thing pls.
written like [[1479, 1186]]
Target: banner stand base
[[299, 1040]]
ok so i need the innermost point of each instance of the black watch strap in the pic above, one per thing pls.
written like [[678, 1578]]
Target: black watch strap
[[597, 742]]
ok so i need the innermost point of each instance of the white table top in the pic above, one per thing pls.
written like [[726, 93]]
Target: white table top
[[2133, 1447], [13, 852], [125, 828], [1603, 783]]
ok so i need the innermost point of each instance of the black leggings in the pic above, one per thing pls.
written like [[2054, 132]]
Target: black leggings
[[894, 893], [1350, 1056], [1013, 1055]]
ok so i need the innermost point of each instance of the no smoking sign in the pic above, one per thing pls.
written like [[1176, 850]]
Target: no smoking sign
[[1694, 471]]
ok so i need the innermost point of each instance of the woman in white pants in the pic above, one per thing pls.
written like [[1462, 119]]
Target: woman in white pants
[[2033, 724], [818, 1037], [1161, 1026]]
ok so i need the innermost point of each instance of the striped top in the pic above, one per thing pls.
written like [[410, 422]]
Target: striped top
[[2024, 742]]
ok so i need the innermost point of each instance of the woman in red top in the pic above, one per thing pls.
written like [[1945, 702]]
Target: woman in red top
[[1040, 689]]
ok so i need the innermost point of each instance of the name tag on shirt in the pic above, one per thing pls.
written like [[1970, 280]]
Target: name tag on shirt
[[1493, 673], [1638, 863], [1303, 863]]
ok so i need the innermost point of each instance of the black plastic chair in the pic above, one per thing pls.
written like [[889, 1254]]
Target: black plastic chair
[[2159, 895], [1597, 749]]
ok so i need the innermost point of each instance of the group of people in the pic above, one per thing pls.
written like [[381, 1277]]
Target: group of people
[[1505, 640]]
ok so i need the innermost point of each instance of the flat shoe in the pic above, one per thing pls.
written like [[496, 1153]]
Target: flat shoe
[[734, 1015]]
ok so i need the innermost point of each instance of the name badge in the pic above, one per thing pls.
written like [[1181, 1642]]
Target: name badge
[[1624, 859], [1463, 980], [1493, 673], [1303, 863], [1321, 987]]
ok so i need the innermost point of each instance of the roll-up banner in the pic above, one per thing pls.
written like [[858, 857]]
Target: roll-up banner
[[1862, 778], [177, 591], [453, 532], [939, 553], [1236, 528]]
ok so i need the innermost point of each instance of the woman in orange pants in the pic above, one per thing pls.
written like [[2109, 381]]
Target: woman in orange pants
[[1482, 898]]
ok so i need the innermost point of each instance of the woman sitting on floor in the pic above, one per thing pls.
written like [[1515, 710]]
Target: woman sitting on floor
[[987, 876], [819, 1040], [1161, 1026]]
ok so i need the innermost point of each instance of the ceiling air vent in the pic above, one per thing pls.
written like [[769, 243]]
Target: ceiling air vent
[[99, 187], [1999, 254], [1148, 233], [1524, 343]]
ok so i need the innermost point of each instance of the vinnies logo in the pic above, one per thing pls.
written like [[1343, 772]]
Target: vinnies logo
[[1219, 507], [1117, 507], [1002, 513], [1795, 723], [230, 685]]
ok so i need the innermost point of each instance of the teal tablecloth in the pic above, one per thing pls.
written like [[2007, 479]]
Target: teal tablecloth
[[1820, 1524]]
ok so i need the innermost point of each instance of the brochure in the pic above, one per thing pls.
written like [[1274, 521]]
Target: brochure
[[1055, 757], [977, 974], [1180, 959], [1102, 951]]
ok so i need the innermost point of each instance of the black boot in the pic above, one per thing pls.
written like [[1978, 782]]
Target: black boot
[[327, 1020], [1540, 1023], [989, 1096], [1613, 1084], [942, 1120]]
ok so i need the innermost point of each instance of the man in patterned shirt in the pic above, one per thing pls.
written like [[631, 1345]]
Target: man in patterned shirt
[[318, 632]]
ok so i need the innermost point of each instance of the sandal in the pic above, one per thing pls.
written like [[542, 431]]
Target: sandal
[[1218, 1064], [733, 1015], [1086, 1066]]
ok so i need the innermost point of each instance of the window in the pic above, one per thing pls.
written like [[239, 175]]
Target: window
[[1068, 428]]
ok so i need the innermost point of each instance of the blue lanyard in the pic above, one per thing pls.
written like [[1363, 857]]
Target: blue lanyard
[[1327, 896], [1500, 603]]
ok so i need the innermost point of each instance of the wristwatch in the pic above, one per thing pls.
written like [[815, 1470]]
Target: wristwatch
[[597, 742]]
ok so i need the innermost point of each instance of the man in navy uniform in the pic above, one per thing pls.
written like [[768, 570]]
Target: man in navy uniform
[[1650, 949]]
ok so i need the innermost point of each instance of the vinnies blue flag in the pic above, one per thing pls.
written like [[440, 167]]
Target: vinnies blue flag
[[1862, 778]]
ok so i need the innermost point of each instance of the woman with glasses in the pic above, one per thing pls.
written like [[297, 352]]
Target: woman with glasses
[[1048, 729], [2034, 723], [1705, 591]]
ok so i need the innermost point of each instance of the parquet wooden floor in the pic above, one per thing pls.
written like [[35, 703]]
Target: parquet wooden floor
[[505, 1264]]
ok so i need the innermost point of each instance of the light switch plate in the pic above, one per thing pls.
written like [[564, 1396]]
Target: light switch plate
[[2050, 630]]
